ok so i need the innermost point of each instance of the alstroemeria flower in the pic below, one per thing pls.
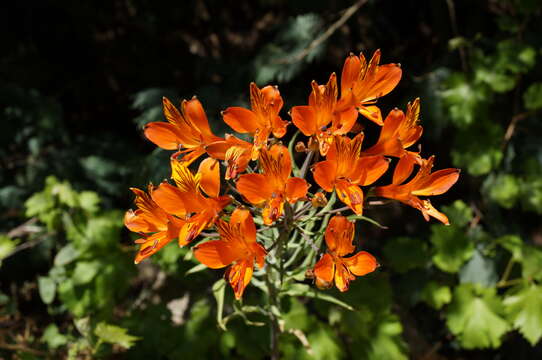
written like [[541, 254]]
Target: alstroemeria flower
[[424, 183], [262, 120], [274, 186], [187, 200], [234, 151], [313, 120], [345, 170], [363, 83], [187, 128], [237, 247], [156, 227], [399, 132], [334, 265]]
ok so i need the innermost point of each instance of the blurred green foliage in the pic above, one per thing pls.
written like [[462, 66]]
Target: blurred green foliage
[[79, 82]]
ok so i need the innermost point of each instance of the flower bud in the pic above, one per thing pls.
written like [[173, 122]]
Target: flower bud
[[300, 146], [319, 200]]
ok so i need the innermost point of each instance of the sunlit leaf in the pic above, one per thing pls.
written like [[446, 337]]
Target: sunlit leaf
[[475, 317], [523, 305], [115, 335]]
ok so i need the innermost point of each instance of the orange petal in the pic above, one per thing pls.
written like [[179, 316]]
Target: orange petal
[[210, 177], [428, 209], [350, 73], [273, 210], [149, 211], [384, 80], [369, 169], [163, 135], [254, 187], [194, 226], [279, 127], [438, 182], [151, 245], [243, 219], [296, 188], [339, 235], [361, 264], [324, 174], [240, 119], [190, 155], [304, 118], [345, 122], [403, 169], [343, 277], [136, 223], [372, 113], [216, 254], [239, 275], [194, 111], [169, 198], [351, 195], [325, 268]]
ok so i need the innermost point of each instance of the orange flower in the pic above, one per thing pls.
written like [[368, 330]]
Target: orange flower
[[424, 183], [346, 170], [237, 246], [312, 120], [334, 265], [234, 151], [399, 132], [186, 199], [154, 224], [363, 83], [188, 128], [262, 120], [274, 185]]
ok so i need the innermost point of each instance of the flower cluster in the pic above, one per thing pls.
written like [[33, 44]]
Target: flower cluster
[[259, 182]]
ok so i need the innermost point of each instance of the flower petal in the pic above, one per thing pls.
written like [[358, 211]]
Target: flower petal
[[351, 195], [296, 188], [254, 187], [325, 268], [210, 177], [169, 198], [372, 113], [304, 118], [163, 135], [324, 174], [339, 235], [369, 169], [241, 120], [361, 264], [216, 254], [438, 182], [151, 245], [239, 275]]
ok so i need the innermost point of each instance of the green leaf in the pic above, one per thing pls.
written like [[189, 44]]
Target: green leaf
[[436, 295], [114, 335], [297, 316], [89, 201], [475, 317], [532, 258], [386, 341], [53, 337], [66, 255], [479, 269], [47, 289], [7, 245], [463, 99], [85, 271], [523, 305], [532, 98], [324, 344], [219, 291], [478, 155], [452, 247], [513, 244], [531, 194], [405, 254], [459, 213], [503, 189]]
